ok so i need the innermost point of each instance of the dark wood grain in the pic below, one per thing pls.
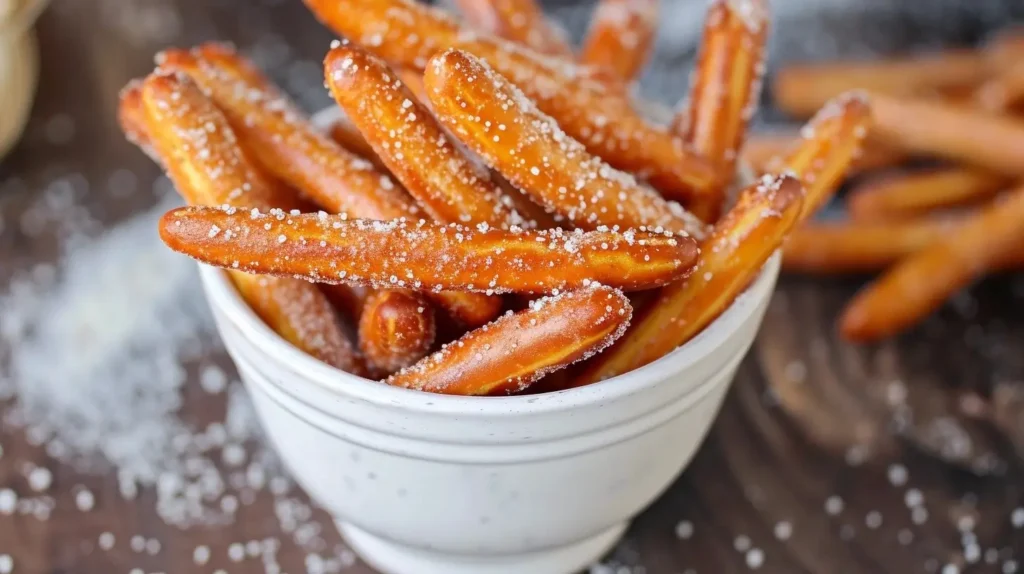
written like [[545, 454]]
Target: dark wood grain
[[809, 419]]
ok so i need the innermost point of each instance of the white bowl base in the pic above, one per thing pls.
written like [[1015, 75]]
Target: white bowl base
[[391, 558]]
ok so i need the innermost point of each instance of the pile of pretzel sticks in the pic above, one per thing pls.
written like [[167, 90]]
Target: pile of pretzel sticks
[[937, 200], [493, 207]]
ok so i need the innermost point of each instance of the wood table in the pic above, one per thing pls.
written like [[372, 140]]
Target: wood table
[[827, 458]]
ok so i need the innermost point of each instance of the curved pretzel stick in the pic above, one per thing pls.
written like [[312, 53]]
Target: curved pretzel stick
[[425, 256], [912, 194], [494, 119], [520, 21], [284, 142], [800, 90], [725, 91], [518, 349], [338, 180], [761, 148], [200, 153], [919, 284], [408, 33], [410, 142], [830, 143], [729, 260], [953, 132], [620, 36], [396, 329], [857, 247]]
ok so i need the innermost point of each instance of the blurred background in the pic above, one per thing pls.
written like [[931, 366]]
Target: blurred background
[[113, 379]]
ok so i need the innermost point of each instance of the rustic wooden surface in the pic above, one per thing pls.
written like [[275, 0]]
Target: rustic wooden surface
[[809, 419]]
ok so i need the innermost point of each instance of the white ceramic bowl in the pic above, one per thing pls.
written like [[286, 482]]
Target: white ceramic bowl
[[433, 484]]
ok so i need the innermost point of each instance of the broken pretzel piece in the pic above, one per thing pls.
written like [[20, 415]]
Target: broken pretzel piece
[[425, 256], [730, 259], [725, 91], [200, 153], [518, 349], [620, 37], [494, 119], [409, 33]]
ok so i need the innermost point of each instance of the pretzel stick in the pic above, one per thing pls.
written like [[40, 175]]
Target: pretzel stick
[[199, 151], [410, 142], [761, 148], [729, 260], [408, 34], [426, 256], [829, 145], [494, 119], [345, 134], [919, 284], [284, 142], [858, 247], [912, 194], [1003, 92], [518, 349], [725, 91], [800, 90], [520, 21], [390, 327], [620, 37], [951, 132]]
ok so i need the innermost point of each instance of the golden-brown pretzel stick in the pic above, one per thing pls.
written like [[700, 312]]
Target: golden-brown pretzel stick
[[345, 134], [952, 132], [858, 247], [518, 349], [425, 256], [919, 284], [620, 36], [800, 90], [494, 119], [1003, 92], [726, 90], [909, 195], [407, 138], [131, 117], [829, 145], [201, 155], [740, 243], [521, 21], [284, 142], [338, 180], [761, 148], [396, 329], [409, 33]]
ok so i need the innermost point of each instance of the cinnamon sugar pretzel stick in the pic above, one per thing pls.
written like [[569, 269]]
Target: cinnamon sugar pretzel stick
[[494, 119], [858, 247], [389, 329], [802, 89], [410, 142], [409, 33], [201, 155], [340, 181], [518, 349], [426, 256], [726, 90], [620, 36], [521, 21], [919, 284], [952, 132], [911, 194], [729, 260], [830, 143], [284, 142]]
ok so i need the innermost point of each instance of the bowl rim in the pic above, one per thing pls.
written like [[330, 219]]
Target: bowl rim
[[226, 298]]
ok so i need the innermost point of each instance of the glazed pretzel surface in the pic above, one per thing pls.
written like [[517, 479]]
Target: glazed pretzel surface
[[425, 256], [408, 34], [497, 121], [200, 152], [730, 258], [518, 349]]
